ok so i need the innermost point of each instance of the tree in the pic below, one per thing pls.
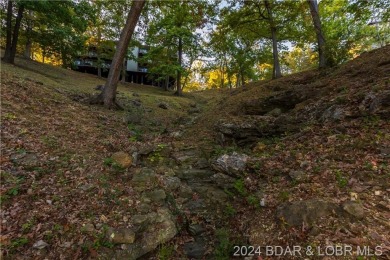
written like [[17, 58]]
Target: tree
[[276, 71], [323, 61], [172, 33], [109, 92], [55, 26], [10, 51]]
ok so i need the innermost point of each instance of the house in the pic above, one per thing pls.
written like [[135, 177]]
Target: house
[[136, 71]]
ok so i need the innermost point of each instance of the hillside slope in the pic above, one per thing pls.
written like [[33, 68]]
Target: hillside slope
[[299, 161], [318, 147]]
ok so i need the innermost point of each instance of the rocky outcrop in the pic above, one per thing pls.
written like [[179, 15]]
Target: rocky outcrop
[[122, 159], [233, 165]]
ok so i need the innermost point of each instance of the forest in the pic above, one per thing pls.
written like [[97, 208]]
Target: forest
[[204, 44], [195, 129]]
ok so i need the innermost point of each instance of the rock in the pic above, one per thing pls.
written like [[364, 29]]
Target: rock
[[194, 175], [25, 159], [123, 159], [66, 245], [139, 219], [306, 211], [40, 245], [170, 183], [275, 112], [146, 148], [185, 191], [333, 113], [86, 187], [157, 196], [215, 197], [195, 229], [259, 148], [223, 181], [120, 235], [144, 179], [188, 156], [144, 208], [136, 102], [374, 101], [233, 165], [246, 130], [88, 228], [354, 209], [163, 230], [30, 191], [176, 134], [202, 163], [196, 249], [298, 175], [163, 105], [285, 101]]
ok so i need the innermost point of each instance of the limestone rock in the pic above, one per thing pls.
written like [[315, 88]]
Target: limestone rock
[[233, 165], [223, 181], [157, 196], [163, 105], [170, 183], [333, 113], [40, 245], [144, 179], [354, 209], [121, 235], [195, 249], [88, 228], [163, 230], [123, 159], [298, 175]]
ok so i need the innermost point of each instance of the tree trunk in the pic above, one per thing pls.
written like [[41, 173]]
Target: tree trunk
[[242, 77], [109, 91], [320, 36], [276, 70], [124, 70], [27, 51], [166, 83], [16, 34], [7, 53], [178, 83]]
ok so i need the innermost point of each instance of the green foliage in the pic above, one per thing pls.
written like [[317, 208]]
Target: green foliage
[[166, 252], [136, 133], [19, 242], [111, 163], [108, 161], [342, 181], [239, 186], [284, 195], [230, 210], [253, 201], [57, 27], [26, 227], [171, 23], [224, 248]]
